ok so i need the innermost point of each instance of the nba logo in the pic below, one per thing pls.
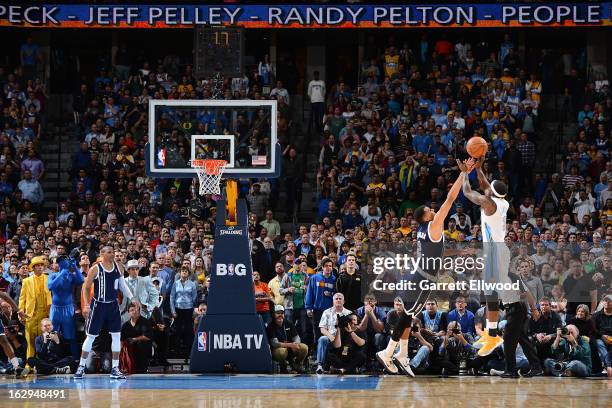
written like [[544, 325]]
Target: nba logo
[[161, 157], [202, 341]]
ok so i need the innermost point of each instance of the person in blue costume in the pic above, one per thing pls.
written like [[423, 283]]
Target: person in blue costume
[[62, 304]]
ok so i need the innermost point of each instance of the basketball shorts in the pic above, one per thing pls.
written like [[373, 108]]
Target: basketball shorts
[[415, 296], [103, 315]]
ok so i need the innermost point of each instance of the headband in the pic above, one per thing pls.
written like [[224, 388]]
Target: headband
[[495, 191]]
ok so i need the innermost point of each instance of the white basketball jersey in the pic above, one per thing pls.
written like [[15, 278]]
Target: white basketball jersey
[[494, 226]]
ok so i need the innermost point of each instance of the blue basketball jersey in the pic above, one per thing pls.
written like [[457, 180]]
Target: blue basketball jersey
[[429, 252], [106, 284]]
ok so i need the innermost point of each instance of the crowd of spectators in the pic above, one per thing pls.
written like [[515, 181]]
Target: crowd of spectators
[[387, 147]]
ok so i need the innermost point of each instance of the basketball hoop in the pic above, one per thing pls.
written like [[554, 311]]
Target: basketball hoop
[[209, 173]]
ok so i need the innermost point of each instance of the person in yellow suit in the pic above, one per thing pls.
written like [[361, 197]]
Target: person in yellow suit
[[34, 302]]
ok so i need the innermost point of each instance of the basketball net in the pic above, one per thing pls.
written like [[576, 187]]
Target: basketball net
[[209, 173]]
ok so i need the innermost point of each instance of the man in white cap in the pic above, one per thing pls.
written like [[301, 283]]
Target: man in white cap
[[285, 342], [143, 289]]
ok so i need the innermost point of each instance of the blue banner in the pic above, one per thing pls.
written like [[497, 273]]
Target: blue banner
[[307, 16]]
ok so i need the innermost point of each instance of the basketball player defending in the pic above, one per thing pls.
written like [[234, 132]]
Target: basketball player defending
[[493, 209], [430, 246], [4, 342], [107, 279]]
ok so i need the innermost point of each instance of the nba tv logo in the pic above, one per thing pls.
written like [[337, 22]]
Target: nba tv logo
[[202, 341]]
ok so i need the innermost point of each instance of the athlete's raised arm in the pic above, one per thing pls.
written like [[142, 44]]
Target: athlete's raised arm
[[437, 224], [482, 179], [486, 203]]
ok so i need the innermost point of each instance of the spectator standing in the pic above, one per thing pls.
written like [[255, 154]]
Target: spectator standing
[[271, 225], [263, 297], [34, 165], [61, 284], [142, 289], [183, 298], [316, 93], [31, 189], [319, 295], [579, 288], [349, 282], [35, 301]]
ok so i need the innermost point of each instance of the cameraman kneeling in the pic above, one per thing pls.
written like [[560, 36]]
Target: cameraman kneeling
[[347, 352], [573, 354], [50, 358]]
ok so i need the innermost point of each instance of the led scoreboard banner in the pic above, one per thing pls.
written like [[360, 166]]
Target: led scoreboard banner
[[218, 50], [426, 14]]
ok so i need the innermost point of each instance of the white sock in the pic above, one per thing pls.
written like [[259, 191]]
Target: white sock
[[83, 362], [388, 352], [115, 363], [15, 362], [403, 351]]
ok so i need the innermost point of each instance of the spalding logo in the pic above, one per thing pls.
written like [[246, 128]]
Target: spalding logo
[[230, 231]]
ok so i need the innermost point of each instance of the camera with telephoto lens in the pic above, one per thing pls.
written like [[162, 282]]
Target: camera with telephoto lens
[[343, 321], [564, 331], [560, 366], [414, 328], [455, 331]]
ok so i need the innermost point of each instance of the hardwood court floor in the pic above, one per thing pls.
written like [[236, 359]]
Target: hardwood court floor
[[255, 391]]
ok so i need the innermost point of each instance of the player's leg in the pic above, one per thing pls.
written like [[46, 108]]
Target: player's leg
[[402, 330], [8, 351], [497, 263], [114, 325], [93, 325]]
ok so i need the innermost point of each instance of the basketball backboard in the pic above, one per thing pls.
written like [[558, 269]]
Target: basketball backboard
[[242, 132]]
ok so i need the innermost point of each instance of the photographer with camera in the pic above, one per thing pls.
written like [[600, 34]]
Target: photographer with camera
[[50, 358], [347, 353], [455, 349], [573, 354], [420, 346]]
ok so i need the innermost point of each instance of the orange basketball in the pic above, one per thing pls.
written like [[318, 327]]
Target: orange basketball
[[477, 147]]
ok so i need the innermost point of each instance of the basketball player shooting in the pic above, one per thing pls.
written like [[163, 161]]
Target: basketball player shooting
[[493, 209], [430, 247], [107, 279]]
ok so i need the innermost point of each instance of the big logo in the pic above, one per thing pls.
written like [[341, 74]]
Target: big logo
[[231, 270]]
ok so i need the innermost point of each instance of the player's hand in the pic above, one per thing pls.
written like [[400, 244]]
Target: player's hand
[[462, 166], [86, 311], [23, 316], [535, 314], [478, 162]]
